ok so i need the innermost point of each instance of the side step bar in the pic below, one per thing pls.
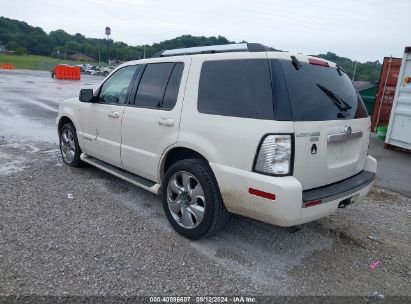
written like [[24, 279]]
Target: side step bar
[[123, 174]]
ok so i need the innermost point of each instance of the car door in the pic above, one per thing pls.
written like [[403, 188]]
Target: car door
[[102, 119], [151, 121]]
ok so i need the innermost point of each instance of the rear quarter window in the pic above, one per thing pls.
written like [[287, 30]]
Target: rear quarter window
[[239, 88], [173, 86]]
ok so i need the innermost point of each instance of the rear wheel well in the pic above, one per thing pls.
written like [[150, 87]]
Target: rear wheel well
[[63, 120], [177, 154]]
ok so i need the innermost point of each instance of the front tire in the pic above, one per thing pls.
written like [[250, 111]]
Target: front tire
[[192, 200], [69, 147]]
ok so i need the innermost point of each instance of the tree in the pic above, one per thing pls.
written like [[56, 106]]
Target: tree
[[16, 48], [21, 38]]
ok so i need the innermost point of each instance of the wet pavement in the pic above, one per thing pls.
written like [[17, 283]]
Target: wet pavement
[[30, 100], [67, 231]]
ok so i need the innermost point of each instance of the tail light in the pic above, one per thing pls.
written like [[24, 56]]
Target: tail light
[[316, 61], [274, 156]]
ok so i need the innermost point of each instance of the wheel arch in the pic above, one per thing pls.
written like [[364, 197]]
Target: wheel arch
[[70, 119], [177, 153], [63, 120], [219, 215]]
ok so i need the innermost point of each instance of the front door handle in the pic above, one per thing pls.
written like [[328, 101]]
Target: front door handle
[[168, 122], [114, 114]]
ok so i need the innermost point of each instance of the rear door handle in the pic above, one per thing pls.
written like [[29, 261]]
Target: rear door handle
[[168, 122], [114, 114]]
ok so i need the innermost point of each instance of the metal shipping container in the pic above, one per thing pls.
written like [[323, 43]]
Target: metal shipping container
[[386, 90], [399, 127]]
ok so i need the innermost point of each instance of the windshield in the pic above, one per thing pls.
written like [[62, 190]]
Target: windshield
[[321, 93]]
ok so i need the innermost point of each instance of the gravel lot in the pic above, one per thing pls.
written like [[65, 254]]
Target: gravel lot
[[70, 231]]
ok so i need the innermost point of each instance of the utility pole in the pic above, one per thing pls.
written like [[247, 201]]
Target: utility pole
[[383, 93], [144, 52], [108, 33], [355, 69]]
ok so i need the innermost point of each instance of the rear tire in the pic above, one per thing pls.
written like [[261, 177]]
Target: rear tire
[[192, 200], [69, 147]]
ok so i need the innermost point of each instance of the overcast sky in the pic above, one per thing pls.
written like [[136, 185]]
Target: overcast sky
[[359, 29]]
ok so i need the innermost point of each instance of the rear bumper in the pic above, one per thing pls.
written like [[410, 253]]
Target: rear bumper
[[287, 207], [340, 189]]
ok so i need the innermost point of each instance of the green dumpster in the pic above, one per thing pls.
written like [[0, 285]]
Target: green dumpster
[[368, 96], [368, 92]]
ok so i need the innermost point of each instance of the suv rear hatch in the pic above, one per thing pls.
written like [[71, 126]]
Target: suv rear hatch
[[331, 123]]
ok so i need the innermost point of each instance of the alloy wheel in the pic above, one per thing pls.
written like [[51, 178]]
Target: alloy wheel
[[68, 145], [185, 198]]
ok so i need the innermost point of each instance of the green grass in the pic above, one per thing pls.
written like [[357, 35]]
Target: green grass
[[34, 62]]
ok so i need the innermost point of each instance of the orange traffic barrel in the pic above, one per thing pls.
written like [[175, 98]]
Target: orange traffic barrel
[[67, 72], [7, 66]]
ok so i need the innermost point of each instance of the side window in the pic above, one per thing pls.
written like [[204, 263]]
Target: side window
[[240, 88], [115, 89], [173, 86], [153, 84]]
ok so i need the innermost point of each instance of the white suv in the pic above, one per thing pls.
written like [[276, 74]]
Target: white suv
[[237, 128]]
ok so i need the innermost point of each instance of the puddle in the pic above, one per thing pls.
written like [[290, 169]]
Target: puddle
[[381, 195], [13, 157], [29, 148], [12, 167], [51, 152], [76, 171], [224, 253], [260, 251]]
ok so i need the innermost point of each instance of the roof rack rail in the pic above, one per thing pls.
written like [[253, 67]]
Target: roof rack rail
[[211, 49]]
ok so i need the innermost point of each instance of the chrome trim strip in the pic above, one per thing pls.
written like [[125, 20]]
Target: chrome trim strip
[[340, 137]]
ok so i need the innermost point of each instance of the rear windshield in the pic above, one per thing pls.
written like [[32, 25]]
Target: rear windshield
[[321, 93]]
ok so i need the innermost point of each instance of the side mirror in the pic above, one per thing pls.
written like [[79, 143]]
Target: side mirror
[[86, 95]]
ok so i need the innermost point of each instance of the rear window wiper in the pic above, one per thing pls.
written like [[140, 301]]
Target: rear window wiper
[[338, 101], [340, 70], [296, 63]]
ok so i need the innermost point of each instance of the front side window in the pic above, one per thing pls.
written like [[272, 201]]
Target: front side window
[[115, 89], [239, 88]]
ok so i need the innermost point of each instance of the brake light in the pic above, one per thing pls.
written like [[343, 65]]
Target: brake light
[[274, 156], [316, 61]]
